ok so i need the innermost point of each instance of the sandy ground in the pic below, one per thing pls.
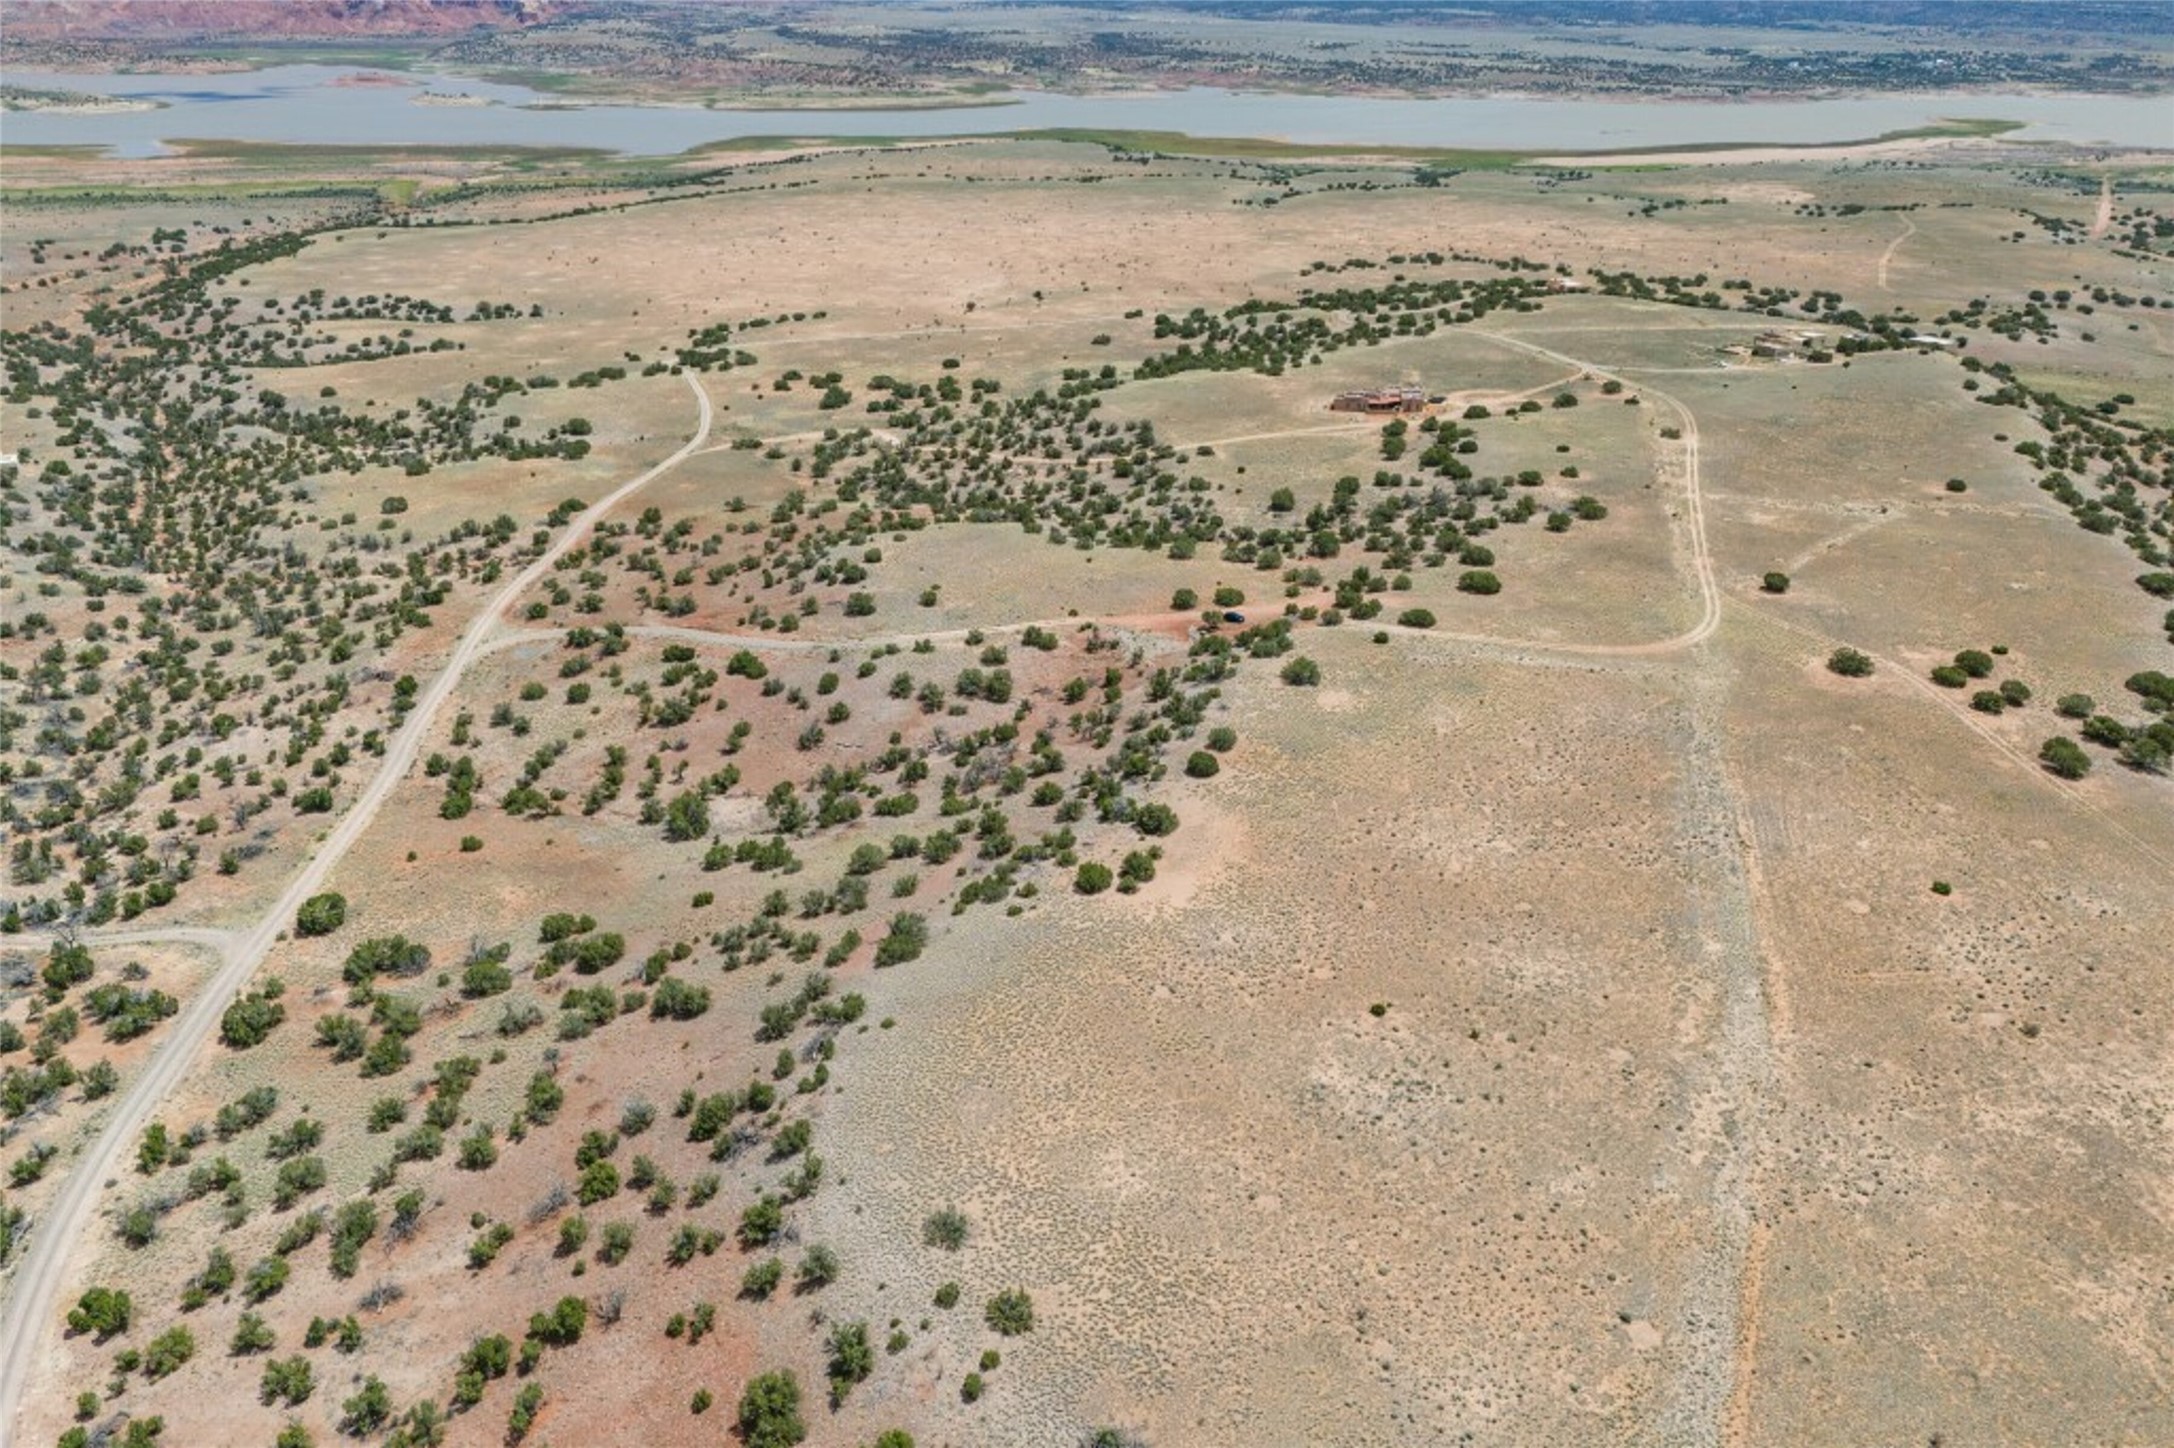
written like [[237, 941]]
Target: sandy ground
[[1689, 1113]]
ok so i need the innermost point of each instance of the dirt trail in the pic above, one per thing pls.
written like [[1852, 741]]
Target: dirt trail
[[29, 1311], [2104, 221], [990, 324], [208, 936], [1736, 1421], [1730, 1076], [777, 644], [1702, 563], [1329, 429], [1735, 1077], [878, 434], [1909, 229]]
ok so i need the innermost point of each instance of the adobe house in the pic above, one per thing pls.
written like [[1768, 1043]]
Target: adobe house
[[1787, 346], [1381, 401]]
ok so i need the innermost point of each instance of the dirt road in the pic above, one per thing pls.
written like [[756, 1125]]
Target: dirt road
[[2104, 220], [29, 1312], [1694, 516], [1701, 564], [1909, 229]]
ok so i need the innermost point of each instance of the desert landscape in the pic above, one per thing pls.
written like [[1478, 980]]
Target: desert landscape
[[1084, 790]]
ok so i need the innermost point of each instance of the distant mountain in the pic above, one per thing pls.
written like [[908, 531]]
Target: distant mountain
[[155, 20]]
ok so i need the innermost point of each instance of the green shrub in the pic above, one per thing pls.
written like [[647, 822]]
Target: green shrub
[[769, 1413], [478, 1152], [290, 1380], [168, 1351], [321, 914], [265, 1279], [761, 1280], [101, 1312], [562, 1325], [2064, 757], [251, 1335], [852, 1358], [249, 1020], [368, 1411], [1849, 663], [599, 1182], [614, 1243], [945, 1228], [1301, 672], [2107, 730], [818, 1268], [1010, 1312], [761, 1222], [687, 817], [352, 1226], [384, 955], [1478, 580], [907, 938]]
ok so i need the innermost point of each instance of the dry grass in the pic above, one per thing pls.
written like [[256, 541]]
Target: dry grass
[[1692, 1115]]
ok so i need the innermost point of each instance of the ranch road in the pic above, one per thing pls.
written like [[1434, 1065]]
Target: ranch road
[[37, 1281], [1694, 504]]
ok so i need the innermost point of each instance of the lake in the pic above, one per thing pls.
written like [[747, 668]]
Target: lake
[[310, 104]]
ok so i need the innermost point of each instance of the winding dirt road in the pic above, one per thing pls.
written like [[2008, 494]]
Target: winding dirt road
[[1694, 517], [1694, 505], [1909, 229], [29, 1311]]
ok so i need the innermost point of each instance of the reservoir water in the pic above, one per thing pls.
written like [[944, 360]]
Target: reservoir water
[[338, 105]]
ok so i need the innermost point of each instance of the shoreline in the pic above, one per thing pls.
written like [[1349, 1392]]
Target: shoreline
[[1155, 142], [26, 100], [757, 103], [1245, 124]]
